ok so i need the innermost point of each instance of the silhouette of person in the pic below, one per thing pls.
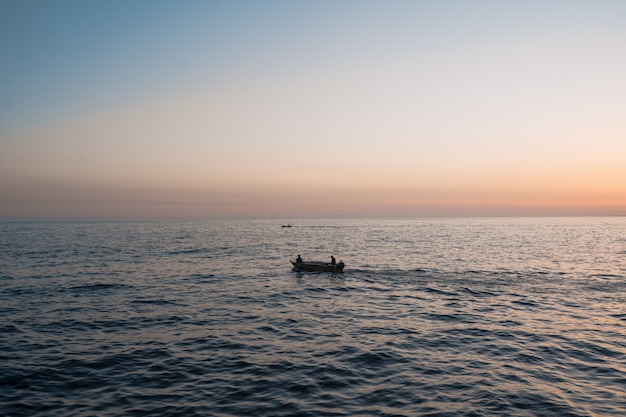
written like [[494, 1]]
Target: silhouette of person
[[298, 260], [332, 260]]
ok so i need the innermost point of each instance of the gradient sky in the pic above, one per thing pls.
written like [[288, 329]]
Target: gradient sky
[[291, 109]]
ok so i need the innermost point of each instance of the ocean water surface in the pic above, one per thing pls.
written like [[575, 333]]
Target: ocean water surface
[[431, 317]]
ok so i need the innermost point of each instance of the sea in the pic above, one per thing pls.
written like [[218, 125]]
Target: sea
[[431, 317]]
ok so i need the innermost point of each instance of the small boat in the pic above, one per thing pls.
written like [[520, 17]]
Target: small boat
[[318, 266], [286, 225]]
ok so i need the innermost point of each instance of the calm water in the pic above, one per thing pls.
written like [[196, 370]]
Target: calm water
[[432, 317]]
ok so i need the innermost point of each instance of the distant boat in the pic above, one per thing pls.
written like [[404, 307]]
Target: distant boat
[[318, 266], [286, 225]]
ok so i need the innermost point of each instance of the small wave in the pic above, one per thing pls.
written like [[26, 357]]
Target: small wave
[[607, 276], [202, 276], [155, 302], [438, 291], [525, 303], [267, 329], [97, 287], [372, 359], [510, 323], [19, 291], [212, 343], [10, 328], [190, 251], [479, 293], [453, 318]]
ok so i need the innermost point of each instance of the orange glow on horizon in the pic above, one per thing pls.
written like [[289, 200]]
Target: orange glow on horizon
[[276, 201]]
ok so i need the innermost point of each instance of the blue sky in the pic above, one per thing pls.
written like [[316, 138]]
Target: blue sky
[[447, 107], [68, 55], [71, 56]]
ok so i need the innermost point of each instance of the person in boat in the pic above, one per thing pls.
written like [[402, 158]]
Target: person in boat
[[332, 260], [298, 260]]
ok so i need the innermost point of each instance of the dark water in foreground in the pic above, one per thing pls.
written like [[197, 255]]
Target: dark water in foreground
[[448, 317]]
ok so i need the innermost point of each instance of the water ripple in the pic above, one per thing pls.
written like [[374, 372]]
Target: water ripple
[[473, 317]]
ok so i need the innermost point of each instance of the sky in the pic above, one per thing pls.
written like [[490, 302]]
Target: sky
[[152, 109]]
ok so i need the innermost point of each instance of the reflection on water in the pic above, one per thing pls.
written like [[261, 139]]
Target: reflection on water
[[516, 317]]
